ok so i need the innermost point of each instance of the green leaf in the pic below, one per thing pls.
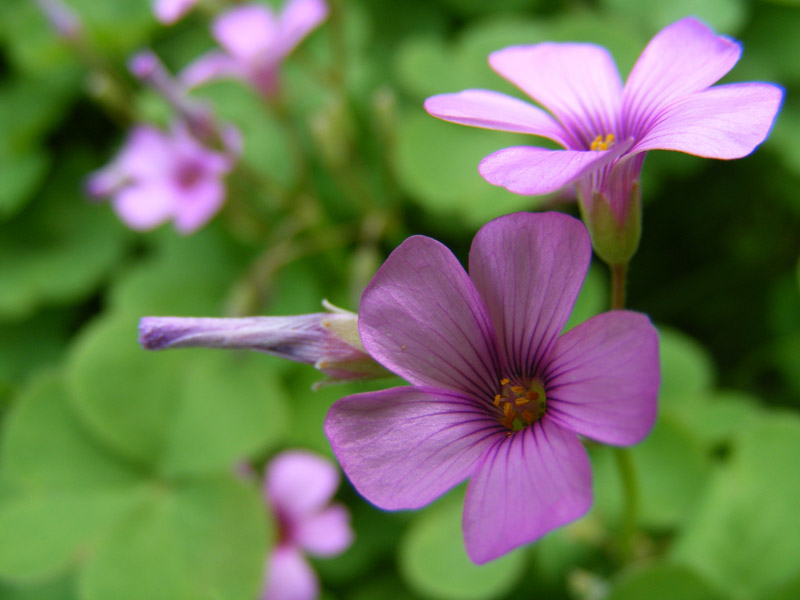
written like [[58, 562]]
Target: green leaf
[[434, 562], [662, 581], [19, 176], [66, 488], [686, 369], [437, 163], [58, 589], [197, 541], [60, 247], [746, 535], [196, 411], [725, 16]]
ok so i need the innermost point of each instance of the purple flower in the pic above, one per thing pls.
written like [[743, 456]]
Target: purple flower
[[497, 395], [159, 176], [298, 487], [170, 11], [328, 341], [255, 41], [605, 128]]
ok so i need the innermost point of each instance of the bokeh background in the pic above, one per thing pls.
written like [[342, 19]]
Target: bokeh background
[[117, 474]]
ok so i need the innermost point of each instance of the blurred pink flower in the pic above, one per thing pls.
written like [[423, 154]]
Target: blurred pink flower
[[170, 11], [298, 487], [158, 176], [255, 41]]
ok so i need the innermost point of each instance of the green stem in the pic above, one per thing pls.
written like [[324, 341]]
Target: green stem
[[624, 459], [618, 275]]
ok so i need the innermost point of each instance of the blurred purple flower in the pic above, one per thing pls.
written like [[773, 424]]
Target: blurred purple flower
[[170, 11], [497, 395], [298, 487], [255, 41], [606, 128], [159, 176], [328, 341]]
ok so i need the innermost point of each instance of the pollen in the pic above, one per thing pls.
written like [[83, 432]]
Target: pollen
[[520, 404], [602, 143]]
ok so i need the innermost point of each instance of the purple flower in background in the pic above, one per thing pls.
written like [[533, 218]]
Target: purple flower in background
[[605, 128], [328, 341], [255, 41], [159, 176], [497, 394], [170, 11], [298, 487]]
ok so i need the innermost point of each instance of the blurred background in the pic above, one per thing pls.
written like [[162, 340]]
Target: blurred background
[[118, 466]]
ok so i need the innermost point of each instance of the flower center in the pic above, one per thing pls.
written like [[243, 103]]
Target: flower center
[[520, 405], [601, 143]]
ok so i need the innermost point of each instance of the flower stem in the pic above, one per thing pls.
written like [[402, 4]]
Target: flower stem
[[623, 457], [618, 276]]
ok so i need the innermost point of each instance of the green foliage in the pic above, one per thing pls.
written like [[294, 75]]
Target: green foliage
[[433, 559]]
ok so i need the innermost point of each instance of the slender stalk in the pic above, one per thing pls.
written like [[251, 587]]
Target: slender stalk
[[624, 460], [618, 276]]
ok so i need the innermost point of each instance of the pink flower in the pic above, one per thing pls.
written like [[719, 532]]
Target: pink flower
[[255, 42], [159, 176], [498, 395], [298, 487], [170, 11], [605, 128]]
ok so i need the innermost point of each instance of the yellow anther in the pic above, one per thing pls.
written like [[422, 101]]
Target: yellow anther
[[596, 142], [507, 409], [532, 396], [601, 143], [520, 401], [517, 389], [610, 139], [504, 381], [497, 398]]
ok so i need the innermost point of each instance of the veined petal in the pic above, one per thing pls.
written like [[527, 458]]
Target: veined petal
[[493, 110], [327, 533], [529, 268], [289, 576], [300, 483], [298, 19], [529, 484], [603, 376], [248, 32], [726, 121], [531, 171], [578, 83], [210, 66], [422, 318], [404, 447], [145, 206], [682, 58]]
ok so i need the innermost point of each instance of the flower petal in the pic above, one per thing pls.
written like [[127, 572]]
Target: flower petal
[[327, 533], [529, 268], [404, 447], [726, 121], [682, 58], [248, 32], [196, 206], [169, 11], [298, 19], [492, 110], [146, 205], [422, 318], [529, 484], [210, 66], [578, 83], [531, 171], [300, 483], [603, 376], [289, 576]]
